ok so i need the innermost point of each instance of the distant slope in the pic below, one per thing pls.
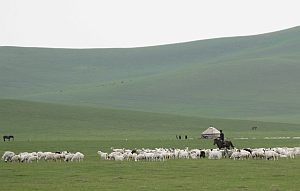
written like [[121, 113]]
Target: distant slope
[[255, 77], [43, 121]]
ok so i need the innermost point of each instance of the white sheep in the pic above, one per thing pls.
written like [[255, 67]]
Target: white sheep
[[32, 158], [140, 156], [193, 156], [149, 156], [24, 156], [159, 156], [103, 155], [195, 152], [68, 157], [58, 156], [245, 154], [16, 158], [235, 155], [118, 150], [78, 156], [258, 153], [7, 156], [215, 154], [119, 157], [50, 156], [135, 156], [271, 155], [183, 154]]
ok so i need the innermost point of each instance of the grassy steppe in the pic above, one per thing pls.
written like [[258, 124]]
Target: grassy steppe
[[43, 121], [51, 127], [143, 97], [254, 77], [93, 174]]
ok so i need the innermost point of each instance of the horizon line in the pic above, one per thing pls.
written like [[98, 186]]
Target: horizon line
[[149, 46]]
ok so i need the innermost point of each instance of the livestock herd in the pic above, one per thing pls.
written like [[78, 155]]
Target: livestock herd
[[158, 154], [162, 154], [27, 157]]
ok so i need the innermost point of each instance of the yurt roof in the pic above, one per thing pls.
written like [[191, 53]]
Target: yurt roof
[[211, 130]]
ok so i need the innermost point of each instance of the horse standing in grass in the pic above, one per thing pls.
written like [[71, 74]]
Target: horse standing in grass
[[254, 128], [8, 137], [225, 144]]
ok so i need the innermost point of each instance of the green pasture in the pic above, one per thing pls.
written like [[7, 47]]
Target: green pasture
[[34, 121], [53, 127], [90, 99], [95, 174]]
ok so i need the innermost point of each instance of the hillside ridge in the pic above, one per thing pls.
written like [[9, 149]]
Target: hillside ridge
[[251, 77]]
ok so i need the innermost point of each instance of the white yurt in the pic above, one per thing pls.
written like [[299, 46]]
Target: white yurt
[[210, 133]]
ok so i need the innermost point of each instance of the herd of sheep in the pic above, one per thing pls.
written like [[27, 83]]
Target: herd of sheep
[[26, 157], [158, 154], [162, 154]]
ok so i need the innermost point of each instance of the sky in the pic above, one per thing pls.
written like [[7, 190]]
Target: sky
[[138, 23]]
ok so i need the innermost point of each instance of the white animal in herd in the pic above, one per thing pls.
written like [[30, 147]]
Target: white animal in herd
[[103, 155]]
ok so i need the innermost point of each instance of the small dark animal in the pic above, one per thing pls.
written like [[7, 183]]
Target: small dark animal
[[254, 128], [221, 144], [202, 154], [8, 137], [179, 136], [185, 137]]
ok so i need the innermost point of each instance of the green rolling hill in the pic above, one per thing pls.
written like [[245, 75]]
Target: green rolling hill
[[253, 77]]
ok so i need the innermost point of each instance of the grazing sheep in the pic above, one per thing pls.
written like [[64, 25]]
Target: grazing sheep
[[7, 156], [50, 156], [78, 156], [194, 152], [103, 155], [58, 156], [118, 150], [127, 155], [297, 151], [193, 156], [32, 158], [159, 156], [235, 155], [119, 157], [269, 154], [16, 158], [215, 154], [134, 156], [112, 155], [149, 156], [245, 154], [258, 153], [183, 154], [290, 153], [140, 156], [68, 157], [240, 154]]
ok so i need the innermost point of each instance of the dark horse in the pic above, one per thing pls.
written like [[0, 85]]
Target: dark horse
[[8, 137], [221, 144], [254, 128]]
